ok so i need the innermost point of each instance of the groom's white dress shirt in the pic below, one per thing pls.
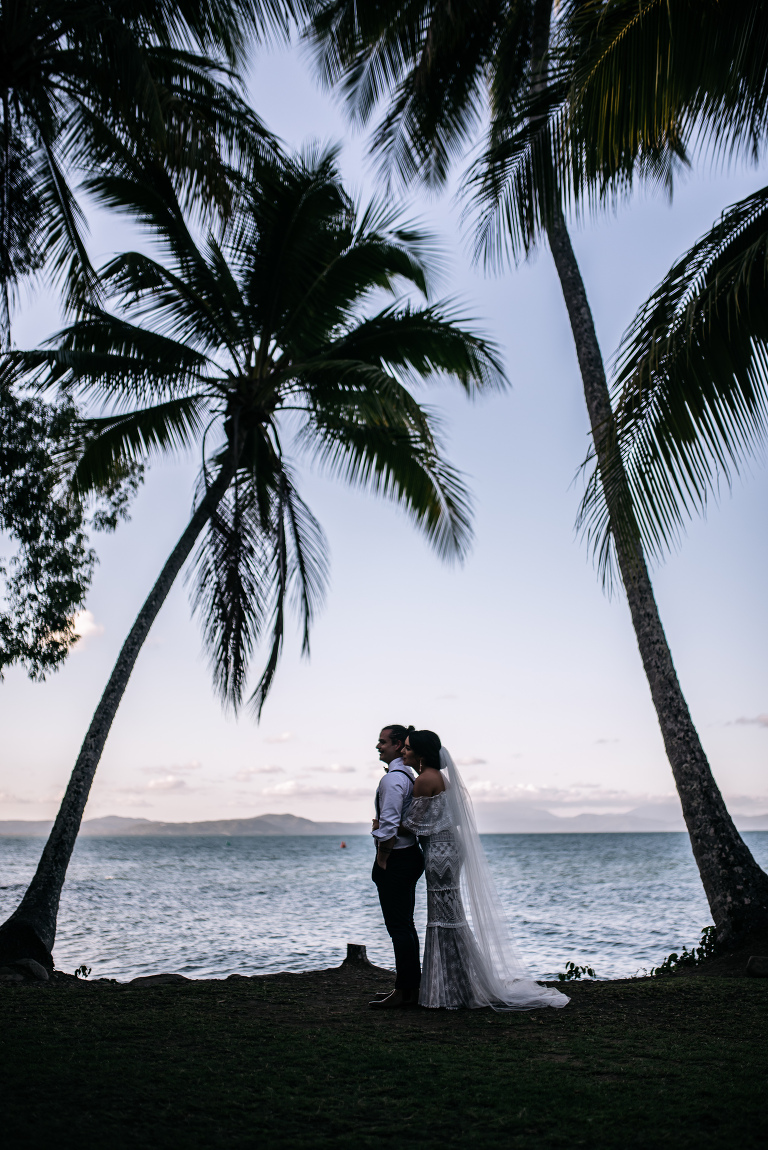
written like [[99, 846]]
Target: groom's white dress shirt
[[393, 799]]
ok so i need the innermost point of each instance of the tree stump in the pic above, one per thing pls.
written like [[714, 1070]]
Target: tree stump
[[356, 955]]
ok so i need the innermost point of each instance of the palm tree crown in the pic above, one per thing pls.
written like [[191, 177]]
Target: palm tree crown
[[262, 336]]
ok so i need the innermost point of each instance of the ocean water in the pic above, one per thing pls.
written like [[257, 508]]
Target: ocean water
[[209, 907]]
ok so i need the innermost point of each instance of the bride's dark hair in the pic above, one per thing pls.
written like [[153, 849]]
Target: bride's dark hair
[[427, 746]]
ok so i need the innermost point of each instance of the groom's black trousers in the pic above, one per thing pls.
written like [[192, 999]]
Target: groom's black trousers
[[397, 894]]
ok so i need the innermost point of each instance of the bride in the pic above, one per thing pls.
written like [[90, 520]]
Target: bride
[[469, 958]]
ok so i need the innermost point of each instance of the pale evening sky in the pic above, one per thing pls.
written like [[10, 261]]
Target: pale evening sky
[[517, 659]]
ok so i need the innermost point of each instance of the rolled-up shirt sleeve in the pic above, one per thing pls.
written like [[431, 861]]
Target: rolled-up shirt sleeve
[[394, 798]]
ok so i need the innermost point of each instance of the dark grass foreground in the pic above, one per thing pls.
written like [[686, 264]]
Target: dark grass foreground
[[297, 1060]]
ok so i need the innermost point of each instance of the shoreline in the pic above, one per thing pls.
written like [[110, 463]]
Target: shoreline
[[749, 961]]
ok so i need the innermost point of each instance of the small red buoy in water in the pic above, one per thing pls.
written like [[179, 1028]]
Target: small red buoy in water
[[343, 845]]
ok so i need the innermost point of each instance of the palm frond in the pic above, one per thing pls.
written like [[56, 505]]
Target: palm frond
[[364, 46], [113, 360], [101, 447], [22, 223], [64, 242], [301, 578], [141, 187], [412, 344], [513, 189], [254, 562], [197, 305], [440, 100], [648, 76], [233, 588], [206, 136], [429, 59], [691, 391], [382, 449], [372, 260], [291, 227]]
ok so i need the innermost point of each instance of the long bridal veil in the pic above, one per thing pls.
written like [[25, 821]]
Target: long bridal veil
[[508, 985]]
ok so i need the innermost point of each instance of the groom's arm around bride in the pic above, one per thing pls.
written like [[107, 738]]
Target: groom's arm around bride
[[398, 866]]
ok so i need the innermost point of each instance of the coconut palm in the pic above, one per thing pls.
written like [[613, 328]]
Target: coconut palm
[[75, 73], [691, 386], [263, 337], [439, 68]]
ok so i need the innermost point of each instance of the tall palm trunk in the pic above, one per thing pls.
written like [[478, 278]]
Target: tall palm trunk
[[30, 932], [735, 886]]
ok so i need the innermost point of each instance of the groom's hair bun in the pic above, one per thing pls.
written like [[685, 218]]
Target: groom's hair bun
[[398, 733], [427, 746]]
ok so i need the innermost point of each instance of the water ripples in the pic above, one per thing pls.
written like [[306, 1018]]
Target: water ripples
[[208, 907]]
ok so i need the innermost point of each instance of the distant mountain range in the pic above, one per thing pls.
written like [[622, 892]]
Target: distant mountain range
[[231, 828], [492, 818], [521, 818]]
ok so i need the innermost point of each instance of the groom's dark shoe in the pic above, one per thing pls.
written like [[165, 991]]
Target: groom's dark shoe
[[398, 999]]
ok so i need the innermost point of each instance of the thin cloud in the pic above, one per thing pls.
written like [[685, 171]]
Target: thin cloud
[[169, 783], [165, 782], [285, 737], [335, 769], [578, 794], [585, 796], [173, 769], [291, 788], [598, 742], [471, 762], [755, 721], [135, 800], [746, 804], [247, 773], [7, 797], [86, 627]]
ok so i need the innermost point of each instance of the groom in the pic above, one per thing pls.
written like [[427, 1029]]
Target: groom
[[398, 866]]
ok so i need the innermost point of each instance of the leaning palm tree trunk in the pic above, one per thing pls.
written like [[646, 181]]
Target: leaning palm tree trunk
[[735, 886], [30, 932]]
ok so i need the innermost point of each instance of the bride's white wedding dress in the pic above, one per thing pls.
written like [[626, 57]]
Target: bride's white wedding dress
[[469, 959]]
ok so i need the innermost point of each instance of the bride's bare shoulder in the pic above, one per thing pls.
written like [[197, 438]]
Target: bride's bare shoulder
[[429, 783]]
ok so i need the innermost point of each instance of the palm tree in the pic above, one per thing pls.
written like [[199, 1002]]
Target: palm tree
[[438, 63], [662, 79], [75, 74], [264, 336]]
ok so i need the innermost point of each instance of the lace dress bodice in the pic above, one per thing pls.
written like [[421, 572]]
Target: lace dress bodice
[[428, 815]]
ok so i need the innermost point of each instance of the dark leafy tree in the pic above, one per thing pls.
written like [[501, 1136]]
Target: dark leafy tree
[[265, 337], [47, 578], [48, 571], [439, 69]]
